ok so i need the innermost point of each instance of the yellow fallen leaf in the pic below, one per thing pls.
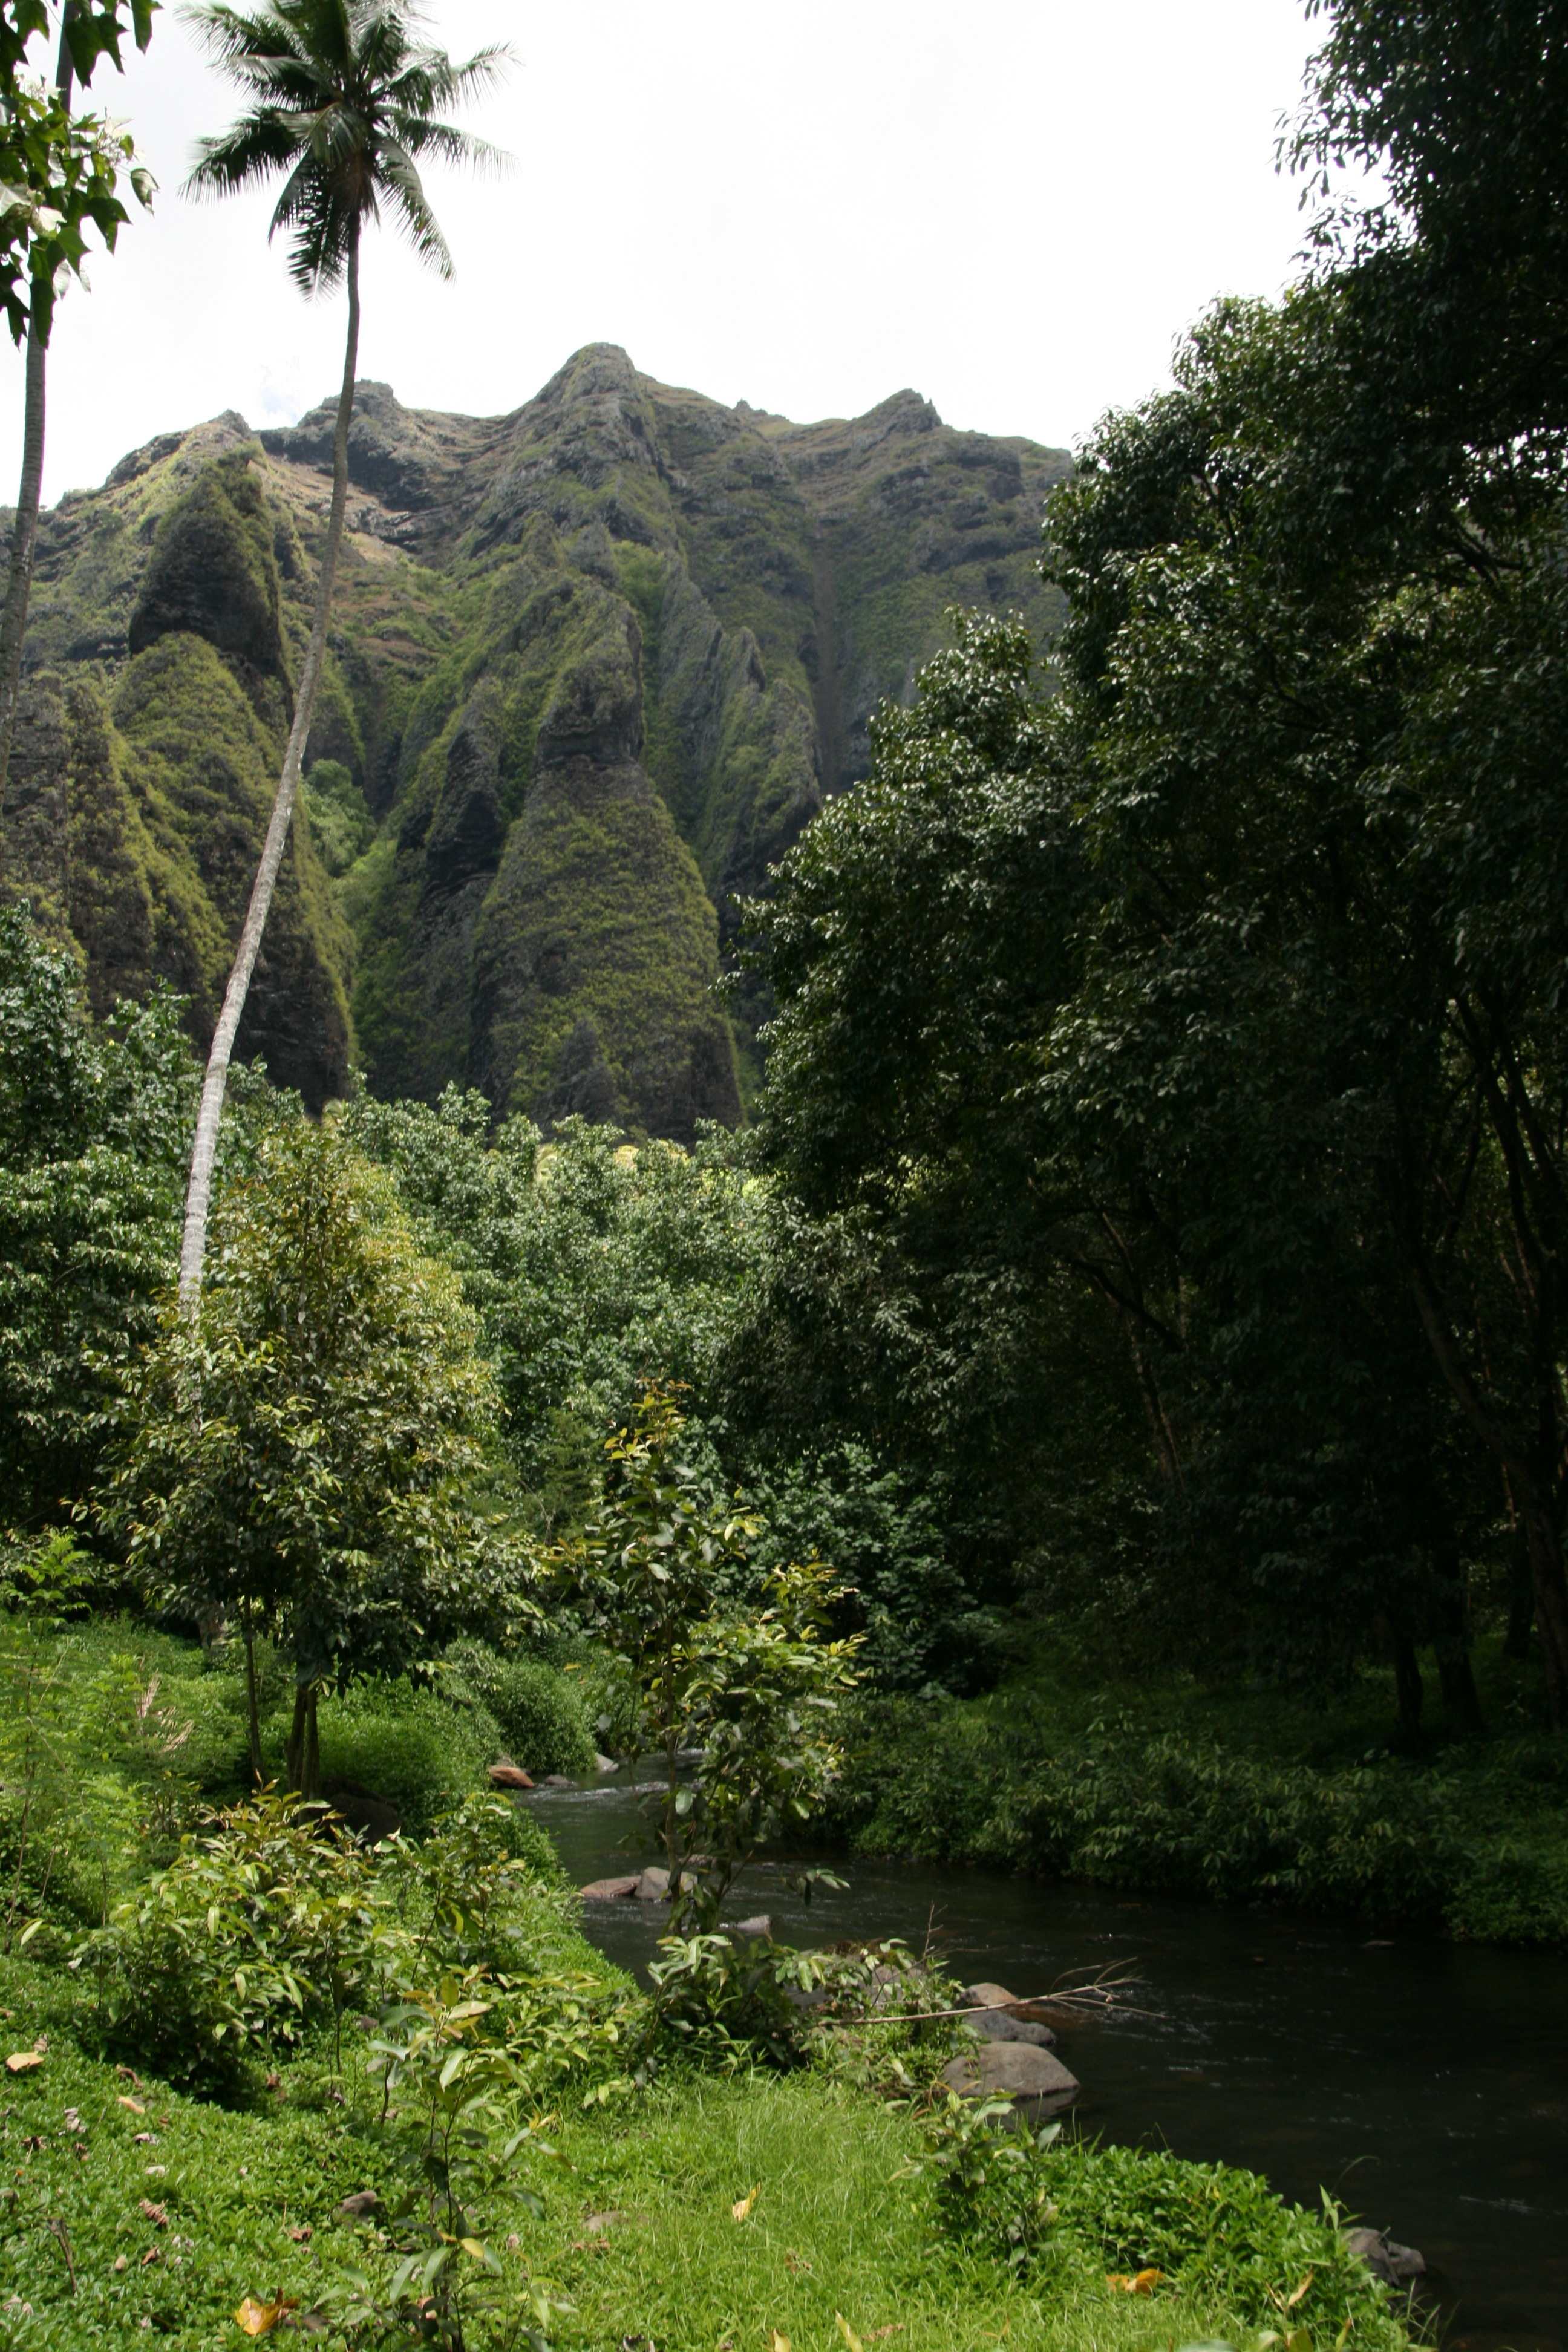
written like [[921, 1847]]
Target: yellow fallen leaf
[[260, 2318], [741, 2208], [135, 2106], [778, 2343], [20, 2060], [848, 2333], [1292, 2300], [1144, 2282]]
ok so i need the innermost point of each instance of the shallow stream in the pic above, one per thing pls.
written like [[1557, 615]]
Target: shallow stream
[[1423, 2084]]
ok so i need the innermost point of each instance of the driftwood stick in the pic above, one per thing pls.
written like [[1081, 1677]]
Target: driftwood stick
[[1097, 1995]]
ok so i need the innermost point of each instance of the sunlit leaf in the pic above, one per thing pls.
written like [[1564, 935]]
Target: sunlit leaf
[[741, 2210], [1141, 2283], [254, 2318]]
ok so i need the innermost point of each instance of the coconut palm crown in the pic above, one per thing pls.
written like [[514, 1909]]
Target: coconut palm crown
[[346, 101]]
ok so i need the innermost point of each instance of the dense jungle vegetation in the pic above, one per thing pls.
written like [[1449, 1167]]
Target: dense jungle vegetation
[[1117, 1366]]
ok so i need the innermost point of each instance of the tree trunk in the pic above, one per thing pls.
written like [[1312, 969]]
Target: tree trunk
[[1407, 1684], [1460, 1696], [1550, 1593], [1520, 1597], [294, 1746], [1451, 1630], [193, 1248], [252, 1711], [24, 538], [311, 1783], [1531, 1467]]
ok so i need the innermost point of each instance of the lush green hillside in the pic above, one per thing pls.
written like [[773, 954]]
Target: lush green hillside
[[594, 665]]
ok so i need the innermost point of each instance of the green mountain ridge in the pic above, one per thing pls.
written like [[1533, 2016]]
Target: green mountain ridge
[[593, 667]]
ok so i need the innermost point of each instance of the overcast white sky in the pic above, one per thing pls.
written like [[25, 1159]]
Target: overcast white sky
[[1014, 205]]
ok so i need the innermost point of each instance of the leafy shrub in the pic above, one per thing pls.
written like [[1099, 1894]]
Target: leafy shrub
[[540, 1713], [732, 2001], [272, 1925], [247, 1931]]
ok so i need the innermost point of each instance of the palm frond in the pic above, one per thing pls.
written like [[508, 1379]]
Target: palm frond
[[281, 81], [227, 34], [442, 83], [254, 149], [406, 195], [448, 144]]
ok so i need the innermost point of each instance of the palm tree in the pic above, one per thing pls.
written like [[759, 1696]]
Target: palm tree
[[345, 103]]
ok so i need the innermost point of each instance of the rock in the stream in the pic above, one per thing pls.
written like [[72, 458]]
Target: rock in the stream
[[610, 1890], [654, 1884], [1003, 2019], [1395, 2264], [558, 1781], [605, 1763], [761, 1925], [507, 1775], [997, 2026], [1038, 2083]]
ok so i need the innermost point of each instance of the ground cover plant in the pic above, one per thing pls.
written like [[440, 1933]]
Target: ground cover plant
[[1234, 1795]]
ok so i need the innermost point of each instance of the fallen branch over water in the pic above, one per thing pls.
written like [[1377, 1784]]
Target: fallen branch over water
[[1098, 1996]]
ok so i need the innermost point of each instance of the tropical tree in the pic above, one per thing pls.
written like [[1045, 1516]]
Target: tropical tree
[[58, 174], [93, 1122], [329, 1491], [661, 1574], [345, 104]]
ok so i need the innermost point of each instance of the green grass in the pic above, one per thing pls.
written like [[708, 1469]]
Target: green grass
[[833, 2228]]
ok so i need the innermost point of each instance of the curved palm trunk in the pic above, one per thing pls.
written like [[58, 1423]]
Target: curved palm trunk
[[198, 1194], [24, 539]]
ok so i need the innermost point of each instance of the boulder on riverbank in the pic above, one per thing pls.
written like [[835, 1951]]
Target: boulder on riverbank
[[507, 1775], [611, 1890], [1036, 2084]]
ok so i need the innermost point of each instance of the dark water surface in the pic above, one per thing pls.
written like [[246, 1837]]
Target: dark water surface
[[1424, 2084]]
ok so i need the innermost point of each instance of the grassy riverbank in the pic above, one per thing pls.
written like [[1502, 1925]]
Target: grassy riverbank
[[176, 2209], [159, 2181], [1236, 1795]]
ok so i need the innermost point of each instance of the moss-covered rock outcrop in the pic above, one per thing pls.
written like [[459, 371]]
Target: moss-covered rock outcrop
[[593, 667], [142, 774]]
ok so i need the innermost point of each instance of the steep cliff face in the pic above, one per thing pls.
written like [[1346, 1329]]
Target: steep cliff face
[[148, 749], [593, 666]]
